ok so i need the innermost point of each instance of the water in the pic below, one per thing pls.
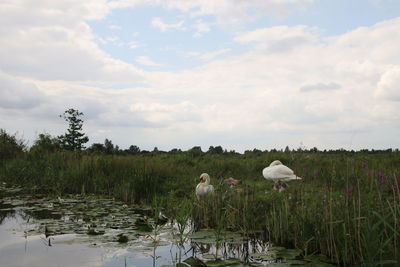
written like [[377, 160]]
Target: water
[[37, 232], [88, 231], [41, 231], [17, 248]]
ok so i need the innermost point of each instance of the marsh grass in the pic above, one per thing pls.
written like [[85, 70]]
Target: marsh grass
[[347, 207]]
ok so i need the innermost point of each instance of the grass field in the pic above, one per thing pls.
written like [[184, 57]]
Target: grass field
[[347, 206]]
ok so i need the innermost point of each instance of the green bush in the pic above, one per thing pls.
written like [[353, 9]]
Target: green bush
[[10, 145]]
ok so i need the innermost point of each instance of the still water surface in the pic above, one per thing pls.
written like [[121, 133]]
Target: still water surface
[[18, 249], [39, 231]]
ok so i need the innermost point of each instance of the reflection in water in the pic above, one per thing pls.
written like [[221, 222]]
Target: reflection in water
[[17, 248], [53, 233]]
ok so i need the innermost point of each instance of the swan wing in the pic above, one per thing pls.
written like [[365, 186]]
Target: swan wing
[[209, 189], [278, 172]]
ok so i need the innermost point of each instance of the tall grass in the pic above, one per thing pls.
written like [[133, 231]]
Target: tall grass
[[347, 207]]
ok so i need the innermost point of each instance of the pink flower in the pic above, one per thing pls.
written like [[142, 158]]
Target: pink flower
[[349, 191], [382, 179]]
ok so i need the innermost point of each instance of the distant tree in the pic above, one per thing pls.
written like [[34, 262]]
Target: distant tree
[[46, 143], [108, 146], [10, 145], [215, 150], [287, 149], [175, 151], [73, 139], [97, 148], [133, 150], [195, 151]]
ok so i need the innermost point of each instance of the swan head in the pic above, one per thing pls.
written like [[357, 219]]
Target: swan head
[[205, 178], [275, 162]]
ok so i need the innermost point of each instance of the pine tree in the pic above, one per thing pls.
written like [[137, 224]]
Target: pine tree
[[73, 139]]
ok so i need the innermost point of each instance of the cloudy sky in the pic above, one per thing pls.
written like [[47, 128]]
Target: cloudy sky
[[242, 74]]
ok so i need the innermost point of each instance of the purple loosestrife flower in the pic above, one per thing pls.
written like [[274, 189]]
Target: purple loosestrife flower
[[349, 191], [382, 179]]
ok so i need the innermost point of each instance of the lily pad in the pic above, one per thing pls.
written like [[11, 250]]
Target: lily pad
[[218, 263], [264, 256], [195, 262], [289, 254]]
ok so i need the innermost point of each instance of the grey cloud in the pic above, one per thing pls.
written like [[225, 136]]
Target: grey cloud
[[287, 44], [56, 105], [320, 87], [16, 94], [125, 119], [45, 46]]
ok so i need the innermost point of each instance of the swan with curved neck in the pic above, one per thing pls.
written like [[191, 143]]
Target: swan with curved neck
[[204, 187], [280, 174]]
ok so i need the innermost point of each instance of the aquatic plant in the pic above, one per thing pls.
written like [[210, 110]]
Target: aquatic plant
[[347, 207]]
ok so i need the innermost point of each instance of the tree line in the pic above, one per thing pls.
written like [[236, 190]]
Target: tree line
[[74, 139]]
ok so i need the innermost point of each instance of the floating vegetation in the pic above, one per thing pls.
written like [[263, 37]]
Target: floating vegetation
[[75, 214], [106, 222]]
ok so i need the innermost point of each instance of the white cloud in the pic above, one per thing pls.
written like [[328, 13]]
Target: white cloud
[[146, 61], [201, 28], [260, 88], [320, 87], [114, 27], [133, 44], [158, 23], [208, 55], [249, 99], [280, 38], [111, 39], [389, 85], [52, 41], [167, 114], [228, 13]]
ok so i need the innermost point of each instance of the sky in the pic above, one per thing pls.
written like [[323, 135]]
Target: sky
[[241, 74]]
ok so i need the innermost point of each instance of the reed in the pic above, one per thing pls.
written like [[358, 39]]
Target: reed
[[347, 207]]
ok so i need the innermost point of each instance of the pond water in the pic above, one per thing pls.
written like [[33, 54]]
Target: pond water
[[88, 231]]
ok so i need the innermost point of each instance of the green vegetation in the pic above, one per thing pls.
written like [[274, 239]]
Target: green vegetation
[[73, 139], [10, 145], [347, 207]]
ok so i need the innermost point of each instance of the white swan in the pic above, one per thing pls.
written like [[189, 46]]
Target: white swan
[[204, 187], [280, 174]]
